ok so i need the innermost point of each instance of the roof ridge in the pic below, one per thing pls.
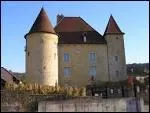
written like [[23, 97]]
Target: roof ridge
[[62, 19], [87, 24], [90, 26], [10, 72], [72, 16]]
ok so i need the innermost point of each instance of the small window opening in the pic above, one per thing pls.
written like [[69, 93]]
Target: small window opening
[[28, 53], [84, 37], [25, 48]]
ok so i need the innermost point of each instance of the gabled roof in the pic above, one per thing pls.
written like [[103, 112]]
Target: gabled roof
[[72, 24], [112, 27], [71, 29], [7, 76], [42, 23]]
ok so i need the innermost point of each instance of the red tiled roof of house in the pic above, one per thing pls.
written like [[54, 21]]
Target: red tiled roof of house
[[112, 27], [7, 76], [72, 24], [71, 29], [42, 23]]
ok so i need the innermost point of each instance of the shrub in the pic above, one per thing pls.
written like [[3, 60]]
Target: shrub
[[75, 92], [82, 91], [45, 89], [70, 91], [25, 93]]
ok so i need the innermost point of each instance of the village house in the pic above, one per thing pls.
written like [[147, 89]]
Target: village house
[[8, 77]]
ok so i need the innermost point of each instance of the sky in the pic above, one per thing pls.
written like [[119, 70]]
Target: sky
[[18, 17]]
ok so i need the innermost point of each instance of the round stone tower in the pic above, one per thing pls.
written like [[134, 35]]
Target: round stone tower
[[42, 52]]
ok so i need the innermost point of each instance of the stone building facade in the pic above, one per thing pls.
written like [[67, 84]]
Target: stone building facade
[[73, 53]]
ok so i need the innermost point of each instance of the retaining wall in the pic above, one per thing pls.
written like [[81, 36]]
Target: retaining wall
[[90, 104]]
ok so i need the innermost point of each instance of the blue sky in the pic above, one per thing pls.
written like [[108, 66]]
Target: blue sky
[[18, 17]]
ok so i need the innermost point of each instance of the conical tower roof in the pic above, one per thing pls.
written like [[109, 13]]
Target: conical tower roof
[[112, 27], [42, 24]]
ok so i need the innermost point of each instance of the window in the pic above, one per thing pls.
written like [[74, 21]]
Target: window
[[92, 56], [92, 71], [66, 57], [28, 53], [84, 37], [116, 58], [25, 48], [67, 71]]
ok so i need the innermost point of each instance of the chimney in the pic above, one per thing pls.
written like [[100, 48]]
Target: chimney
[[59, 17]]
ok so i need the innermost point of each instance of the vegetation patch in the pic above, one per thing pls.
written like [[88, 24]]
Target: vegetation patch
[[28, 95]]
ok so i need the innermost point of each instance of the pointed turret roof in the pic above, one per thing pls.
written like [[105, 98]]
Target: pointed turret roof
[[42, 23], [112, 27]]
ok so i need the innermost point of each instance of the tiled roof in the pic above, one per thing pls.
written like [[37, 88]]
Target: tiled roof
[[7, 76], [71, 29], [72, 24], [112, 27], [42, 23], [77, 38]]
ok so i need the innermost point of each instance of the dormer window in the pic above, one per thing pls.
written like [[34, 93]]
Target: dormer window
[[84, 37]]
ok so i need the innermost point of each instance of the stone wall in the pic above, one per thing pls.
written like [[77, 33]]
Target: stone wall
[[92, 104], [15, 107], [42, 58], [117, 66], [76, 104], [80, 64]]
